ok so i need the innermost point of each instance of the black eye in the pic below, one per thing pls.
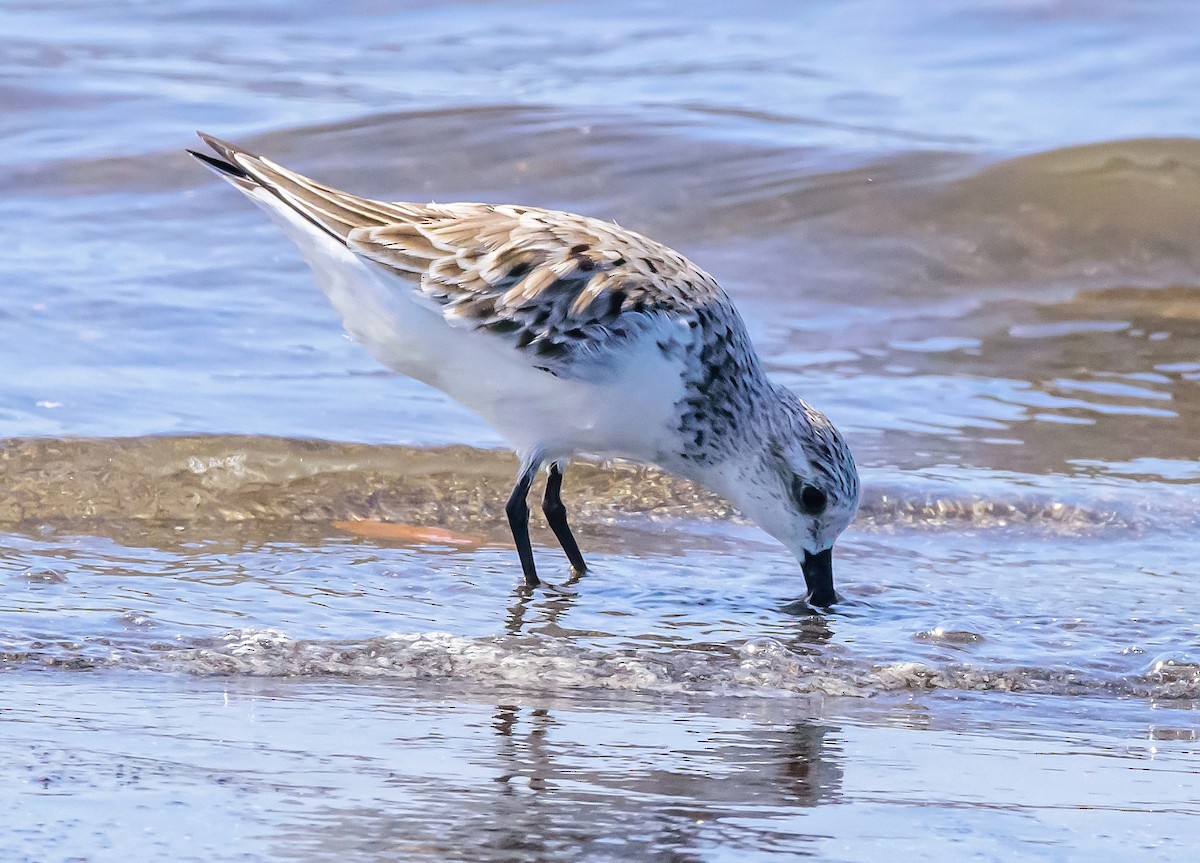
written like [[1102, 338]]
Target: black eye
[[808, 497]]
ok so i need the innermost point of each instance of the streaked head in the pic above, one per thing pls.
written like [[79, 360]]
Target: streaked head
[[802, 488]]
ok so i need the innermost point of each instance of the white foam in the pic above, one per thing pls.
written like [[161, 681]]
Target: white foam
[[758, 667]]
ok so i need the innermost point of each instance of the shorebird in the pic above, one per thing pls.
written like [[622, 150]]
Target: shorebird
[[569, 335]]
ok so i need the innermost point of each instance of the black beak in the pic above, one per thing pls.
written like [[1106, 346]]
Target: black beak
[[818, 575]]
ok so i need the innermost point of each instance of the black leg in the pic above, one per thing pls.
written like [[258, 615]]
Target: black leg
[[518, 519], [556, 514]]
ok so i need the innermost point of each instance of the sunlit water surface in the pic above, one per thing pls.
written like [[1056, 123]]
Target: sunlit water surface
[[967, 231]]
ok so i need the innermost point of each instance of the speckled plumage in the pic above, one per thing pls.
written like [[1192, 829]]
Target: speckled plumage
[[596, 339]]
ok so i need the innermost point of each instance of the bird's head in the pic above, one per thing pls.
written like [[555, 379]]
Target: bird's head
[[801, 486]]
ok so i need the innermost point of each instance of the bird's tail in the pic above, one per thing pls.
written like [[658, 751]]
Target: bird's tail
[[334, 212]]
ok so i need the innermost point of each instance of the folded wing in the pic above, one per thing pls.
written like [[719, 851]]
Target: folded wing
[[554, 284]]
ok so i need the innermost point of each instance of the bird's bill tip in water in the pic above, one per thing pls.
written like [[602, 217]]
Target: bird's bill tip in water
[[818, 575]]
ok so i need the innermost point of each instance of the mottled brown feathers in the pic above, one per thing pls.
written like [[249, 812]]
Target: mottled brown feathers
[[552, 282], [548, 270]]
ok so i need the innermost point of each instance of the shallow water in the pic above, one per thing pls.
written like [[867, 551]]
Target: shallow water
[[313, 770], [965, 231]]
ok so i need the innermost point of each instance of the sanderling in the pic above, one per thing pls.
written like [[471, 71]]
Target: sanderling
[[569, 335]]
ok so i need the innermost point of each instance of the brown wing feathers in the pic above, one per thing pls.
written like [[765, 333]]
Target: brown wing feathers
[[555, 283]]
